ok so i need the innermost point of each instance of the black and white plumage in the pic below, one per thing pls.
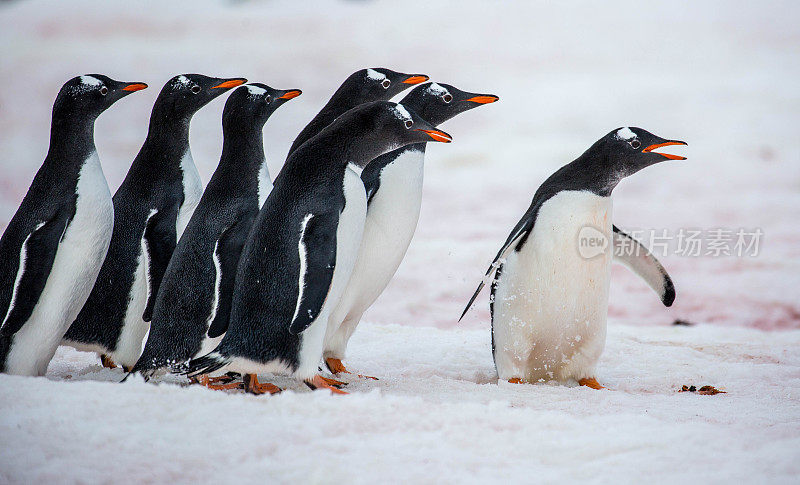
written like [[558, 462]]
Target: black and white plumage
[[304, 242], [193, 303], [549, 300], [53, 248], [151, 209], [394, 193], [363, 86]]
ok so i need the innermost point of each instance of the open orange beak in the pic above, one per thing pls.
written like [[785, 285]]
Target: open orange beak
[[484, 99], [665, 155], [292, 94], [230, 83], [134, 87], [416, 79], [438, 135]]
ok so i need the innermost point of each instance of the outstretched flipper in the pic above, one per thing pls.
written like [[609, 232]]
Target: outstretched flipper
[[317, 248], [34, 260], [636, 257], [160, 236]]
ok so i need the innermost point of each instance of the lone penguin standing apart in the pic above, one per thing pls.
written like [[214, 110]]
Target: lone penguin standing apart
[[363, 86], [151, 209], [53, 247], [193, 304], [394, 194], [549, 302], [303, 246]]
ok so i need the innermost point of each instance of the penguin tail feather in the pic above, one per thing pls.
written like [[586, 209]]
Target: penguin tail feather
[[206, 364]]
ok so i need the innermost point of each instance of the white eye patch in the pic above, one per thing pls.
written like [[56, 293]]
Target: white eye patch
[[437, 90], [255, 90], [87, 83], [180, 82], [625, 134], [401, 112], [375, 75]]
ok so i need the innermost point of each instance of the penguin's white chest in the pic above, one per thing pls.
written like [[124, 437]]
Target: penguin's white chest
[[551, 302], [192, 192], [80, 255], [392, 218]]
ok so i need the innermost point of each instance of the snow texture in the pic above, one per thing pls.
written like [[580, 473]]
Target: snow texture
[[721, 76]]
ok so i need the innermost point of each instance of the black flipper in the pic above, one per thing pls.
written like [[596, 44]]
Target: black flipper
[[636, 257], [229, 248], [40, 253], [160, 237], [517, 237], [316, 267]]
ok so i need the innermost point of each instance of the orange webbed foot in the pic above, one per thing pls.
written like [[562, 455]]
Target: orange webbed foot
[[590, 382], [319, 382], [206, 381], [107, 362], [337, 367], [517, 380], [252, 385]]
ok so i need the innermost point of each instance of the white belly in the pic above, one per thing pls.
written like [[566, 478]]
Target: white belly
[[348, 241], [264, 183], [551, 303], [192, 192], [390, 224], [78, 260]]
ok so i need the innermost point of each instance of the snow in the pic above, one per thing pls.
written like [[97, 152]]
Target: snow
[[721, 76], [436, 412]]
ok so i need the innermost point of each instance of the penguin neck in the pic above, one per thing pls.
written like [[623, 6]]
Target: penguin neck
[[71, 138], [243, 150], [591, 171], [168, 133], [388, 158]]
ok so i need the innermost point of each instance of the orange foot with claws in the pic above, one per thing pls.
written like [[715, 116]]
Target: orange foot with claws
[[590, 382], [252, 385], [107, 362], [336, 367], [214, 383], [319, 382]]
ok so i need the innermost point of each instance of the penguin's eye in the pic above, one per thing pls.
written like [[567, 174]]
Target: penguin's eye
[[386, 83], [409, 124], [195, 89], [103, 90], [447, 98], [268, 99], [635, 144]]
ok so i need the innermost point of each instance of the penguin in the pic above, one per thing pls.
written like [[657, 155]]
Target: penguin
[[549, 295], [302, 248], [151, 210], [193, 303], [363, 86], [52, 250], [394, 195]]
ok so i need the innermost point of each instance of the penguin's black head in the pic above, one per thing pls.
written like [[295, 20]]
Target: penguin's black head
[[184, 94], [378, 83], [628, 150], [254, 103], [383, 126], [438, 102], [89, 95]]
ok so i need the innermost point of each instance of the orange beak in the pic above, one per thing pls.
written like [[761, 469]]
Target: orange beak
[[231, 83], [416, 79], [134, 87], [484, 99], [292, 94], [665, 155], [438, 135]]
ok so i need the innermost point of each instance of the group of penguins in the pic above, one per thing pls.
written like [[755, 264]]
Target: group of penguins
[[253, 276]]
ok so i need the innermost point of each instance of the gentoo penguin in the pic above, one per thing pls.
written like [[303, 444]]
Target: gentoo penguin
[[394, 194], [151, 209], [363, 86], [549, 299], [302, 248], [53, 247], [193, 304]]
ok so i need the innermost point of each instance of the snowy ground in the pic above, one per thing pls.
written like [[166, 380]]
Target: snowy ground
[[722, 77]]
